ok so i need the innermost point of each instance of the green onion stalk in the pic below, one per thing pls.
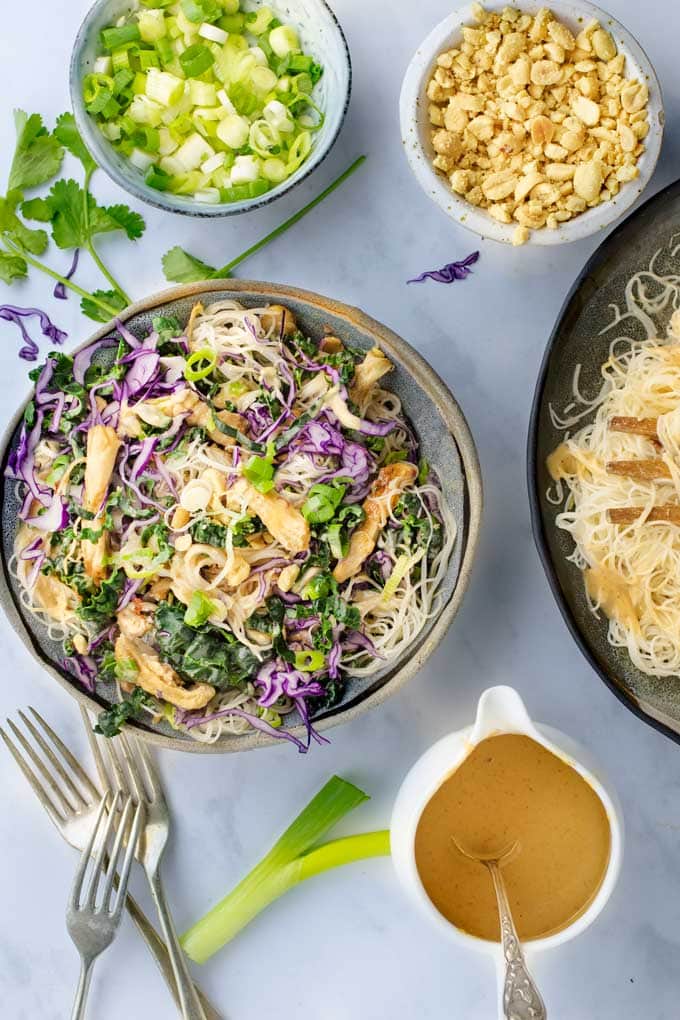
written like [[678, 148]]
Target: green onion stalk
[[295, 857]]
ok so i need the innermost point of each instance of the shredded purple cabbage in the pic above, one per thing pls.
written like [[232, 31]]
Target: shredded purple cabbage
[[83, 668], [60, 289], [29, 352], [449, 273], [259, 724], [54, 518]]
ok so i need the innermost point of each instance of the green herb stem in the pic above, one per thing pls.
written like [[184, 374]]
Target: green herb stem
[[264, 885], [90, 243], [16, 250], [226, 271]]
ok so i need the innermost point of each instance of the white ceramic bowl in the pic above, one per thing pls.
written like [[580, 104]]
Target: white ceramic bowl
[[415, 126], [500, 710], [320, 34]]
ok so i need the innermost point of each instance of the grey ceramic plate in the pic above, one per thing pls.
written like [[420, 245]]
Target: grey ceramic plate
[[446, 443], [574, 341]]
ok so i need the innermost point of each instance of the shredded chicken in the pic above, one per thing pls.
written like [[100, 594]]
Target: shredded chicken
[[95, 555], [133, 624], [285, 522], [160, 679], [279, 320], [384, 496], [56, 598], [102, 449], [374, 366], [182, 401]]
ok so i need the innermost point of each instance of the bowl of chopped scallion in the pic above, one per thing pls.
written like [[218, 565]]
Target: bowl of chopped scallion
[[209, 107]]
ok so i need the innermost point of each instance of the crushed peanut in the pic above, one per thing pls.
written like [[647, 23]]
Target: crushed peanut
[[533, 124]]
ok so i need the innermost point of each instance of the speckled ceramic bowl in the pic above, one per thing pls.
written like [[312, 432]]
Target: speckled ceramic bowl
[[320, 34], [580, 337], [415, 126], [445, 441]]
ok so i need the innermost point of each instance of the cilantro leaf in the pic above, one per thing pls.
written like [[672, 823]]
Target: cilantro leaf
[[181, 267], [125, 219], [66, 204], [12, 267], [67, 133], [34, 241], [38, 155], [93, 311], [37, 209]]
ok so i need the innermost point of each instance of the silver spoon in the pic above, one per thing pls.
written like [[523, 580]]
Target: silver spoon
[[521, 998]]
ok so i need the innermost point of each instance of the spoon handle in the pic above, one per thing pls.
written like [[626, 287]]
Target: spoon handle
[[521, 998]]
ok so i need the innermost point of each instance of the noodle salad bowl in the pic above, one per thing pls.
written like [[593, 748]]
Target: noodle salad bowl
[[626, 295], [244, 535]]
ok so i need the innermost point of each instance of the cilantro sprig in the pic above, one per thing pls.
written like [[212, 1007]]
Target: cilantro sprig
[[181, 267], [71, 211]]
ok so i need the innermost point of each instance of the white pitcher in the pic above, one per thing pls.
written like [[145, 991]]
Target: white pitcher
[[500, 710]]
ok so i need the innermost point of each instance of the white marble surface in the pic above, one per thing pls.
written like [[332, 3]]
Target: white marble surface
[[349, 945]]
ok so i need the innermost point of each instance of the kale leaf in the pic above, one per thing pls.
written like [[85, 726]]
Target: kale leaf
[[110, 721], [202, 653]]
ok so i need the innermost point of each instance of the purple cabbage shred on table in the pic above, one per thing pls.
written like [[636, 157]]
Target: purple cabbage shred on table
[[29, 352], [449, 273], [60, 289]]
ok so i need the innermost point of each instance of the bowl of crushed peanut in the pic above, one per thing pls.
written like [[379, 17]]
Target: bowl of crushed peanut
[[532, 124]]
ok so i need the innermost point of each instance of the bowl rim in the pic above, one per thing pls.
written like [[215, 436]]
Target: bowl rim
[[450, 411], [412, 98], [99, 147], [669, 193]]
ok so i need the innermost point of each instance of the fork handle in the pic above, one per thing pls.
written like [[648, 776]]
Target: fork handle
[[159, 951], [86, 965], [188, 1000]]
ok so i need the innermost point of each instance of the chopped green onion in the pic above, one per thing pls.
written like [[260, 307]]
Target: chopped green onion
[[241, 192], [157, 178], [260, 470], [334, 535], [292, 859], [399, 571], [322, 502], [423, 471], [196, 60], [199, 610], [309, 661], [113, 38], [200, 364]]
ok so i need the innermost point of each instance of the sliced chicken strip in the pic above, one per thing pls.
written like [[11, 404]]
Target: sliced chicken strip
[[374, 366], [160, 679], [283, 521], [95, 556], [384, 496], [133, 624], [55, 597], [279, 320], [102, 449]]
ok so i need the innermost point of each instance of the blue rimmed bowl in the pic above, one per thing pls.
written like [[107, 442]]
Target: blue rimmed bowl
[[320, 34]]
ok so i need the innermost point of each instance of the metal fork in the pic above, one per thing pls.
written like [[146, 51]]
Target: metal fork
[[93, 920], [70, 799], [132, 773]]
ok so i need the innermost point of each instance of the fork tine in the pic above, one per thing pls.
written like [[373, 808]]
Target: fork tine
[[65, 804], [39, 790], [119, 900], [66, 754], [132, 768], [118, 776], [76, 794], [123, 829], [85, 859], [149, 768], [102, 850], [92, 740]]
